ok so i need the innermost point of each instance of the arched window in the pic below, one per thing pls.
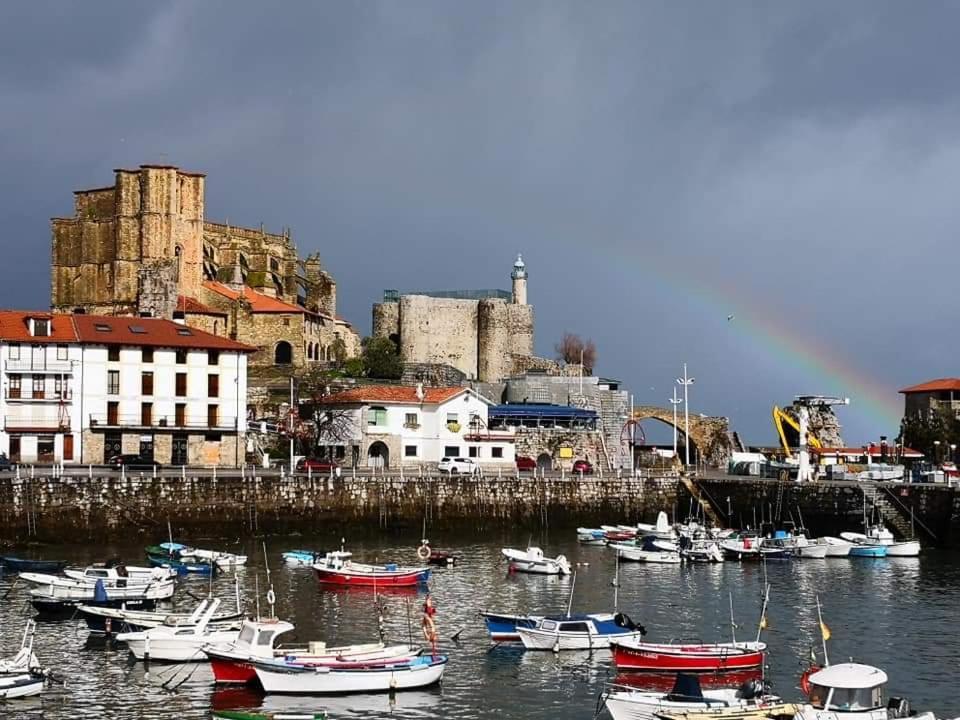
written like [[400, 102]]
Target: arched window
[[283, 353], [178, 256], [309, 351]]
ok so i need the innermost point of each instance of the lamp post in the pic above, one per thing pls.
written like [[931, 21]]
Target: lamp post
[[953, 452], [686, 382], [675, 401], [936, 452]]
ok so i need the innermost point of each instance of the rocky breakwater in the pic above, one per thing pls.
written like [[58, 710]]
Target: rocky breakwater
[[85, 508]]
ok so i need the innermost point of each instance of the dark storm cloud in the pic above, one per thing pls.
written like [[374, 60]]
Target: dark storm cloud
[[804, 155]]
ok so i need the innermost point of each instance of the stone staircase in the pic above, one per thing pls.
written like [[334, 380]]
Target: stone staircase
[[892, 511], [703, 498]]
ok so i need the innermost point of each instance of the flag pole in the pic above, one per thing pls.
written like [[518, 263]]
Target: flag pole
[[824, 633]]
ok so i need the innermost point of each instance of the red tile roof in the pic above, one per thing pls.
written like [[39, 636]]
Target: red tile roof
[[156, 332], [873, 450], [933, 386], [14, 328], [190, 305], [259, 302], [395, 394]]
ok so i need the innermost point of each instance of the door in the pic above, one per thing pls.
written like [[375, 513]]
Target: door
[[68, 447], [179, 455], [15, 449], [39, 353], [112, 445], [146, 447]]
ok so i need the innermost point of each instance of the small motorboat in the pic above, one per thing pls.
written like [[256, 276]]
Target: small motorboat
[[661, 530], [110, 621], [805, 548], [686, 697], [503, 627], [119, 575], [779, 711], [835, 546], [634, 654], [337, 571], [852, 691], [309, 558], [62, 596], [223, 560], [20, 685], [591, 536], [532, 560], [24, 661], [15, 564], [167, 555], [744, 546], [178, 643], [280, 677], [700, 550], [880, 535], [643, 554], [579, 632], [861, 546]]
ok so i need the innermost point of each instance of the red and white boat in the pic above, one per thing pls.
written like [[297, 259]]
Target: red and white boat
[[337, 571], [634, 654]]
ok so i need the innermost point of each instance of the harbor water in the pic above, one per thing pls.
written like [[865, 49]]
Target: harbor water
[[896, 613]]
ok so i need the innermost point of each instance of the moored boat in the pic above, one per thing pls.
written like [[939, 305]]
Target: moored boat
[[852, 691], [119, 575], [25, 660], [591, 536], [642, 554], [109, 621], [62, 596], [594, 631], [335, 571], [503, 626], [178, 643], [243, 715], [15, 564], [534, 561], [686, 697], [629, 654], [309, 558], [836, 547], [280, 677], [20, 685]]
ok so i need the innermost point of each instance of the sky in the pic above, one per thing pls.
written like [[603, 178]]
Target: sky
[[662, 166]]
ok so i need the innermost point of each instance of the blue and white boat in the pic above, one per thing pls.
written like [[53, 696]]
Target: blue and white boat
[[309, 558], [503, 626], [864, 549], [591, 536], [593, 631]]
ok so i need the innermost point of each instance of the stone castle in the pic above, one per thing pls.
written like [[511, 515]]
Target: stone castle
[[485, 334], [142, 247]]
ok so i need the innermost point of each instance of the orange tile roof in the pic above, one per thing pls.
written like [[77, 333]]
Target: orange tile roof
[[933, 386], [259, 302], [396, 394], [873, 450], [152, 332], [191, 305], [14, 328]]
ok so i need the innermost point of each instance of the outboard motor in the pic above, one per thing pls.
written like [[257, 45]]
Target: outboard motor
[[623, 620], [750, 689], [898, 707]]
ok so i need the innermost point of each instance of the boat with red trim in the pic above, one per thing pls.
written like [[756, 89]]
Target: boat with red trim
[[335, 571], [634, 654]]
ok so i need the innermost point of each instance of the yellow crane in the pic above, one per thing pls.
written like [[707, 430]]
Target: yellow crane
[[779, 418]]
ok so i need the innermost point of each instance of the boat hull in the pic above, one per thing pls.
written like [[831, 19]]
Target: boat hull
[[535, 639], [814, 552], [14, 564], [908, 548], [278, 678], [59, 608], [503, 628], [629, 705], [378, 579], [719, 657], [868, 551], [18, 686], [177, 649]]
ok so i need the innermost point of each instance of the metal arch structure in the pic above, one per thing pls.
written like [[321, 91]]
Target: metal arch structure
[[628, 440]]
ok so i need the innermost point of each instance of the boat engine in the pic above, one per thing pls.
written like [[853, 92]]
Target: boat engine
[[898, 707], [623, 620], [750, 689]]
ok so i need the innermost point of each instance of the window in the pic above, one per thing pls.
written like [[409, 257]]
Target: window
[[274, 265], [180, 414], [113, 412], [377, 416], [15, 386], [41, 328], [113, 382], [61, 352], [452, 451], [61, 387], [14, 352], [101, 327], [138, 329], [113, 353], [496, 452], [184, 331], [146, 414], [213, 386], [147, 355], [286, 321], [38, 386], [411, 421], [213, 437], [451, 418], [181, 357], [181, 385], [409, 450], [213, 357], [213, 415], [146, 383], [473, 451]]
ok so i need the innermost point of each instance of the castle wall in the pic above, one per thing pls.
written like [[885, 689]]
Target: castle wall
[[493, 340], [386, 319], [439, 330], [520, 319]]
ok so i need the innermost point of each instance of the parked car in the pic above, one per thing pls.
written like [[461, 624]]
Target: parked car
[[526, 463], [458, 466], [316, 465], [5, 463], [133, 461], [582, 466]]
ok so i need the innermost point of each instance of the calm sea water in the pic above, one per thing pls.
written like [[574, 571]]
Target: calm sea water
[[899, 614]]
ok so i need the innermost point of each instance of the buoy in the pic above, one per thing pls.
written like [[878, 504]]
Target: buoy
[[423, 552]]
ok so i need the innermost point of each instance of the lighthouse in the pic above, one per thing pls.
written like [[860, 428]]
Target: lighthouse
[[519, 276]]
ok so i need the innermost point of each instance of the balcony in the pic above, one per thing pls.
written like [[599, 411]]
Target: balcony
[[22, 424], [23, 395], [136, 421], [40, 365]]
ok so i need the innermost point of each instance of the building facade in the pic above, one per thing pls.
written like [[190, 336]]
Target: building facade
[[82, 388], [932, 396], [482, 333], [396, 425], [143, 247]]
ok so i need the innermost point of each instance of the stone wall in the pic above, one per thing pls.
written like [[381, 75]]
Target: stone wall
[[534, 442], [81, 509], [439, 330]]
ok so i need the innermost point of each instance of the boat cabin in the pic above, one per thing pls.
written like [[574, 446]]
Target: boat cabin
[[848, 688], [596, 624], [257, 637]]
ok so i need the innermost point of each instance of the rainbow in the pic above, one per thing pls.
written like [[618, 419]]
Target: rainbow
[[875, 405]]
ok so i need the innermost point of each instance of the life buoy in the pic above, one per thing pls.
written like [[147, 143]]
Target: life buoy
[[423, 552], [271, 597], [805, 679]]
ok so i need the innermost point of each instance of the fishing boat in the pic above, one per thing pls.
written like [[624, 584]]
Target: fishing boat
[[119, 575], [860, 546], [836, 547], [880, 535], [700, 550], [167, 555], [502, 627], [25, 660], [62, 596], [643, 554], [178, 643], [686, 697], [591, 536], [109, 621], [20, 685], [280, 677], [337, 571], [532, 560], [744, 546], [594, 631], [310, 558], [242, 715], [634, 654], [852, 691], [15, 564]]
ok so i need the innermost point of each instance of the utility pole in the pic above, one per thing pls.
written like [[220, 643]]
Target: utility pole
[[581, 372], [686, 382], [675, 401], [290, 425]]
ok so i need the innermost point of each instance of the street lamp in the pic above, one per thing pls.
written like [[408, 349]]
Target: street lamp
[[953, 452], [675, 401], [686, 382], [936, 452]]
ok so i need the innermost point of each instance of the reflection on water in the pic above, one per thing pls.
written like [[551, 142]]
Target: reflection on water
[[895, 612]]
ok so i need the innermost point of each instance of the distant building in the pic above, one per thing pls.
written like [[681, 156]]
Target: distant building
[[82, 388], [394, 425], [932, 396], [485, 334]]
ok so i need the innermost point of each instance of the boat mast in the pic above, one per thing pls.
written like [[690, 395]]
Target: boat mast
[[271, 598], [823, 635], [733, 625], [616, 583], [763, 610], [573, 584]]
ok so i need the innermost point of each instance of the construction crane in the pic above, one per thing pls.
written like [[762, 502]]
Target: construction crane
[[779, 418], [803, 404]]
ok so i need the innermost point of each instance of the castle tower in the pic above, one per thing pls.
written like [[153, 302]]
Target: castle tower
[[519, 276]]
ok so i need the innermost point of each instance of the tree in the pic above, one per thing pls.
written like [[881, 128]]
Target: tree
[[572, 350], [381, 359], [338, 351], [923, 431]]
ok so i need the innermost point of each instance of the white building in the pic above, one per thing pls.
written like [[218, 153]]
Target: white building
[[82, 388], [391, 425]]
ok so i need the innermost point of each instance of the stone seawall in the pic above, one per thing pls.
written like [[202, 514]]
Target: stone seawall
[[82, 509]]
